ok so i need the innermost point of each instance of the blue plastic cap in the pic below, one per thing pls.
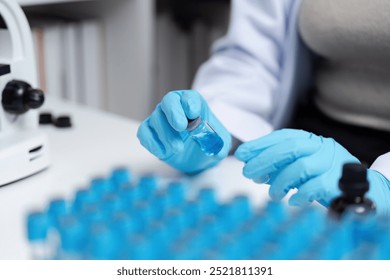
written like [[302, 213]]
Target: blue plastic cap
[[72, 234], [147, 186], [56, 209], [93, 212], [101, 186], [120, 177], [111, 202], [176, 193], [82, 198], [37, 226]]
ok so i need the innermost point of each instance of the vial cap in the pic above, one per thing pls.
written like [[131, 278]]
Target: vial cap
[[147, 186], [37, 226], [192, 124], [101, 186], [354, 179], [56, 209], [82, 198], [176, 193], [120, 177]]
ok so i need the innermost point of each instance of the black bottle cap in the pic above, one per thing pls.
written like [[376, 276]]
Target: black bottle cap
[[45, 118], [63, 122], [354, 179]]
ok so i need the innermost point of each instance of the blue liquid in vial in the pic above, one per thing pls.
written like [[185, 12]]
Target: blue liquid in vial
[[209, 141]]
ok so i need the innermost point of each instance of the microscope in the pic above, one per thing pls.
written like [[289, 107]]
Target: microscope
[[23, 148]]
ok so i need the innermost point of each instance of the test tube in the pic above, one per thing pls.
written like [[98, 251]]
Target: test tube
[[202, 132]]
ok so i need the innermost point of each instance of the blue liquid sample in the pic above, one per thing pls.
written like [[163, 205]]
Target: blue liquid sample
[[209, 141]]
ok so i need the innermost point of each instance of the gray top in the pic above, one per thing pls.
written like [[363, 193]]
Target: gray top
[[354, 38]]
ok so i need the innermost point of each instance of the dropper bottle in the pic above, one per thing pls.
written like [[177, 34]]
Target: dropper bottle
[[354, 186]]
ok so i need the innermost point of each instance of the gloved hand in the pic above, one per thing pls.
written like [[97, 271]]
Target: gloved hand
[[164, 132], [296, 159]]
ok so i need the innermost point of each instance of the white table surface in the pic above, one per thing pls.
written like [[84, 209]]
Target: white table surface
[[97, 143]]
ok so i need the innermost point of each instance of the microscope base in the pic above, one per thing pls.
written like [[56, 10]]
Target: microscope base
[[22, 154]]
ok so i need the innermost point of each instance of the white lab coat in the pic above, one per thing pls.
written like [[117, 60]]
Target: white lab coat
[[258, 70]]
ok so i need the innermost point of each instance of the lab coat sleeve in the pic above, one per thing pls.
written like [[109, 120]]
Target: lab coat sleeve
[[382, 165], [242, 78]]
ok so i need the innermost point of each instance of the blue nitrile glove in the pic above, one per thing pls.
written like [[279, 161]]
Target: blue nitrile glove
[[296, 159], [164, 132]]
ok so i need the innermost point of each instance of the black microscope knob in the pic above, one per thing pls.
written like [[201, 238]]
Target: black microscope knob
[[34, 98], [18, 97]]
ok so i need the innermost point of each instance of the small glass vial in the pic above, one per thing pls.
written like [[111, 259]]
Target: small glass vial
[[201, 131]]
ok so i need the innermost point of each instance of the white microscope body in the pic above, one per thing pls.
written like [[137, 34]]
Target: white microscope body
[[23, 148]]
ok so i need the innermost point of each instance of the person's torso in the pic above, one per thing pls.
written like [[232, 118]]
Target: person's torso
[[353, 38]]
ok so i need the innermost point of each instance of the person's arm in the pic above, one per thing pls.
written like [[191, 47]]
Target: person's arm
[[379, 177], [241, 80], [382, 165]]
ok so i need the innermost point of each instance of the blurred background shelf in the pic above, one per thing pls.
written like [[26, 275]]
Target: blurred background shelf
[[122, 56], [40, 2]]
